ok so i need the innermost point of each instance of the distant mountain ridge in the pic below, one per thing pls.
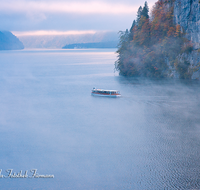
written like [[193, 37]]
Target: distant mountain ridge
[[111, 44], [8, 41], [59, 41]]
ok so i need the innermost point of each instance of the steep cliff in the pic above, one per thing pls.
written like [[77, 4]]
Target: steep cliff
[[187, 14], [9, 42]]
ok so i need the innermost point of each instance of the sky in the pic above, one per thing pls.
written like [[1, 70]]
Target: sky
[[58, 17]]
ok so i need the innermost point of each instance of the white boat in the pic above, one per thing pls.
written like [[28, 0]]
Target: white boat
[[105, 93]]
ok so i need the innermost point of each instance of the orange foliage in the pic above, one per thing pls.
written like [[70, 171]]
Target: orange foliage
[[178, 30], [162, 23], [171, 32]]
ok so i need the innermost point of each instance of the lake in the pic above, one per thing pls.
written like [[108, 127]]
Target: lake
[[147, 139]]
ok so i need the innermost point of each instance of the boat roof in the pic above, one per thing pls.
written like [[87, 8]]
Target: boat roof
[[106, 90]]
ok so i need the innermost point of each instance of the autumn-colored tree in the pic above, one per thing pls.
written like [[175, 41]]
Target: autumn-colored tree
[[142, 36], [140, 33], [162, 23]]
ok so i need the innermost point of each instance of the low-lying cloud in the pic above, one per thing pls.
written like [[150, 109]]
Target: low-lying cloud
[[52, 32], [94, 7]]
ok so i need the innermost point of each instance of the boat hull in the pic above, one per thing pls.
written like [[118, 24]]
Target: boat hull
[[106, 95]]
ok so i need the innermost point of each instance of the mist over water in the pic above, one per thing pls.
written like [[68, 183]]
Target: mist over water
[[147, 139]]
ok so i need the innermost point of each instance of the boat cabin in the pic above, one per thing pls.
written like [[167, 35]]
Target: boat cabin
[[109, 93]]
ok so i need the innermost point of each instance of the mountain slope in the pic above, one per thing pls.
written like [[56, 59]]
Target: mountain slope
[[9, 42]]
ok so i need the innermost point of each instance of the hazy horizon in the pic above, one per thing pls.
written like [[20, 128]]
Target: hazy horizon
[[61, 40], [33, 18]]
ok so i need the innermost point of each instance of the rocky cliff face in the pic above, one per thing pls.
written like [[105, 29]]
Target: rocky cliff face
[[187, 14], [9, 42]]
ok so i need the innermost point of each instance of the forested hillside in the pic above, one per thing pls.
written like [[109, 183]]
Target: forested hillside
[[155, 46]]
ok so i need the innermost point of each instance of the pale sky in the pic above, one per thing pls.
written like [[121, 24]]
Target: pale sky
[[66, 16]]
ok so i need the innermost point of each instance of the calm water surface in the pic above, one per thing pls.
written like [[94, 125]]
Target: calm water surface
[[147, 139]]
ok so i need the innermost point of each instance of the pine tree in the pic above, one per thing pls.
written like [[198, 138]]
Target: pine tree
[[143, 15], [139, 14], [145, 10], [131, 34], [133, 25], [123, 51]]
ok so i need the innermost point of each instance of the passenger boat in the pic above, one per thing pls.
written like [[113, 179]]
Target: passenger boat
[[105, 93]]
